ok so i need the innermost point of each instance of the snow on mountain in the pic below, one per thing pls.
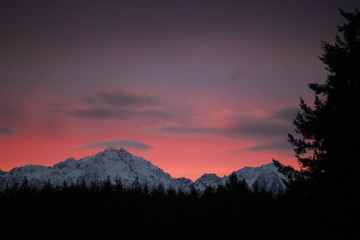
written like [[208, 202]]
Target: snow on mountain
[[266, 177], [110, 163], [208, 180], [115, 164]]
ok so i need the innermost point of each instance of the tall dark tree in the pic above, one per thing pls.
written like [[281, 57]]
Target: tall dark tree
[[329, 131], [236, 187]]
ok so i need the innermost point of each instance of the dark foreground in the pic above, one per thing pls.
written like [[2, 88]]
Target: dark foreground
[[109, 211]]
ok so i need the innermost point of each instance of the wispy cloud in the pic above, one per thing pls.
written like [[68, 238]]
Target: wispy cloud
[[277, 145], [188, 129], [6, 131], [99, 113], [10, 111], [118, 103], [274, 125], [124, 143], [286, 114], [253, 127], [118, 97]]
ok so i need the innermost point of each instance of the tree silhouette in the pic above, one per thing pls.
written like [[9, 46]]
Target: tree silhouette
[[236, 187], [328, 132]]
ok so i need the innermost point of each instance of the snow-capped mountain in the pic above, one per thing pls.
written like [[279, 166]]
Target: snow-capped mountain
[[109, 164], [266, 177], [208, 180], [115, 164]]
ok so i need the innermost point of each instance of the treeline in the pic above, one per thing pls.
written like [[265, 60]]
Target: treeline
[[105, 209]]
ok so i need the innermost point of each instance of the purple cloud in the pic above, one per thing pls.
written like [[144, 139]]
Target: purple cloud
[[119, 97], [276, 124], [117, 103], [6, 131], [125, 143]]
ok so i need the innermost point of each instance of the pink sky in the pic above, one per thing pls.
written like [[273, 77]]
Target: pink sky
[[193, 86]]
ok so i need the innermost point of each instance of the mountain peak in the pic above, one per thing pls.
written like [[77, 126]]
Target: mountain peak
[[120, 164], [110, 149], [123, 150], [113, 149], [70, 162]]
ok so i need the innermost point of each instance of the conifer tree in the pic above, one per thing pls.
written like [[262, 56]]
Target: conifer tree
[[236, 187], [329, 131]]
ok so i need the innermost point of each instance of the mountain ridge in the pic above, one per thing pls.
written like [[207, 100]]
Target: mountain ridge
[[116, 164]]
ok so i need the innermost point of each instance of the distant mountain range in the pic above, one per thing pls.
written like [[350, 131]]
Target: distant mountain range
[[115, 164]]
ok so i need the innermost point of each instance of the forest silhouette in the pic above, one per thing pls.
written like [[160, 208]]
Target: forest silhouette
[[322, 198]]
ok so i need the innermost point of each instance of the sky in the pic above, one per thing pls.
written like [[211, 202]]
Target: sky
[[193, 86]]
